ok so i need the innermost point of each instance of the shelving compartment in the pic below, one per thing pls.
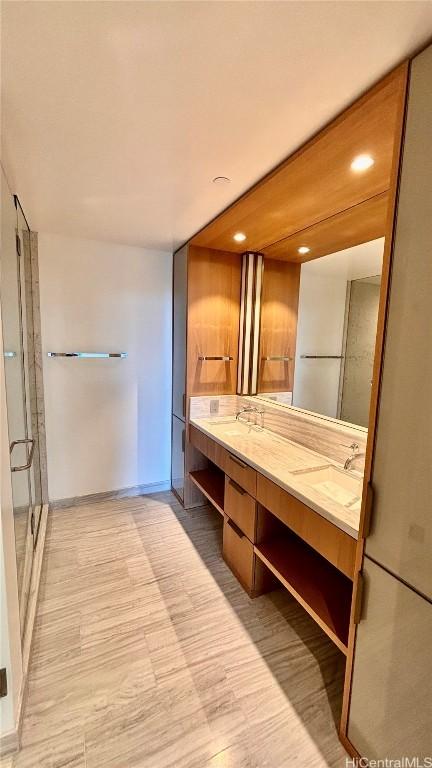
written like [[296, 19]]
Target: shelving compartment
[[211, 482], [323, 591]]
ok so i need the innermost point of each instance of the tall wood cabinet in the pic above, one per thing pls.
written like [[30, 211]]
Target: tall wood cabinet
[[206, 316]]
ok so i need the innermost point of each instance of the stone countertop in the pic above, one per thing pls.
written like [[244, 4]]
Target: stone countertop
[[285, 463]]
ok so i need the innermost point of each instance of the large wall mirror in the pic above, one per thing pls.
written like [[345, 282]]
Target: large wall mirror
[[326, 365]]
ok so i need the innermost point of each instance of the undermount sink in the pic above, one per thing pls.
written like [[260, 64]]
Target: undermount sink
[[336, 484], [231, 427]]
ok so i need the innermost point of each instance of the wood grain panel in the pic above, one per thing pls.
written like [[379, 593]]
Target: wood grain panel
[[241, 473], [317, 182], [208, 447], [240, 507], [278, 332], [360, 224], [327, 539], [238, 553], [214, 281]]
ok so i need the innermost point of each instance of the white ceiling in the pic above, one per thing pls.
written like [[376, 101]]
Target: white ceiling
[[117, 115], [355, 263]]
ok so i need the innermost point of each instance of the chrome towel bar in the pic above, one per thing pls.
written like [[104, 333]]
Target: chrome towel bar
[[278, 358], [87, 354]]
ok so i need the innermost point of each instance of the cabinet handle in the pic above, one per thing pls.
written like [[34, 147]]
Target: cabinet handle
[[237, 461], [237, 487], [277, 358], [235, 528], [183, 440], [224, 358]]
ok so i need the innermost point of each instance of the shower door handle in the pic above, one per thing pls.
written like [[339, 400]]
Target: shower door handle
[[26, 441]]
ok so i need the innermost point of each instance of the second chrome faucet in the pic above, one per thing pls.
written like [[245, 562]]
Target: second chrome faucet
[[247, 410]]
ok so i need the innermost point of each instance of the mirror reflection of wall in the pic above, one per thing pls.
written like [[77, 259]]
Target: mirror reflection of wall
[[338, 311], [359, 349]]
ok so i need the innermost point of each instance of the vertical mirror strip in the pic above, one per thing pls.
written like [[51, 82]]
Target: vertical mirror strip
[[250, 310]]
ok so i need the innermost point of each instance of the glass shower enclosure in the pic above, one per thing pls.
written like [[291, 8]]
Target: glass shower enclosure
[[20, 384]]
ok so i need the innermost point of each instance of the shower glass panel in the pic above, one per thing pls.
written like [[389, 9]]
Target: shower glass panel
[[17, 325]]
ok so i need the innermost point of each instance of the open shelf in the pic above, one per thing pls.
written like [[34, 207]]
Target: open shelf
[[323, 591], [211, 482]]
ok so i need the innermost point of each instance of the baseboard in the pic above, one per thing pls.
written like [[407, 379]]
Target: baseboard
[[134, 490], [9, 743], [348, 746], [31, 616]]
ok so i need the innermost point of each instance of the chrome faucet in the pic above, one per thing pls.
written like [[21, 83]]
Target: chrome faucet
[[250, 409], [355, 452]]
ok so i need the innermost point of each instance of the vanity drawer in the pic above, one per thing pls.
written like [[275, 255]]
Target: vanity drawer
[[239, 471], [208, 447], [238, 553], [240, 507], [338, 547]]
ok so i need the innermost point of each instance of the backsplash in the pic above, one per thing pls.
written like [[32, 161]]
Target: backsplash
[[314, 432]]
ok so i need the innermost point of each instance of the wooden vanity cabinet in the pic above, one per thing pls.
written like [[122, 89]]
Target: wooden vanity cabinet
[[241, 473], [238, 552], [241, 508], [270, 537], [331, 542]]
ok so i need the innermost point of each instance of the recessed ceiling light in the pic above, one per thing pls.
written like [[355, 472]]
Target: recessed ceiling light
[[239, 237], [221, 180], [303, 249], [362, 163]]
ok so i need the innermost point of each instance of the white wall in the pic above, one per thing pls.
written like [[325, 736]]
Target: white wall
[[321, 316], [107, 421]]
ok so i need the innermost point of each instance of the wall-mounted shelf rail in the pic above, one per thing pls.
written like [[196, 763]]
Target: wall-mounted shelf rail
[[321, 357], [224, 358], [88, 354]]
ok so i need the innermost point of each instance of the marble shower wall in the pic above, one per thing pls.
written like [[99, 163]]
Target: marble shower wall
[[317, 433]]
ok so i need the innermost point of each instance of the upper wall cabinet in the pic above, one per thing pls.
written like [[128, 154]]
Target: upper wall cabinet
[[213, 321], [206, 314]]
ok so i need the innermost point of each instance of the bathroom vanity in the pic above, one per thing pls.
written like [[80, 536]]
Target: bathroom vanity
[[287, 320], [286, 507]]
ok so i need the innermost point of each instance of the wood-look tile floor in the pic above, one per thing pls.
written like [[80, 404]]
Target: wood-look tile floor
[[148, 653]]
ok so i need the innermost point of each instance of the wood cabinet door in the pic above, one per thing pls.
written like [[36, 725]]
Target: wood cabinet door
[[213, 321]]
